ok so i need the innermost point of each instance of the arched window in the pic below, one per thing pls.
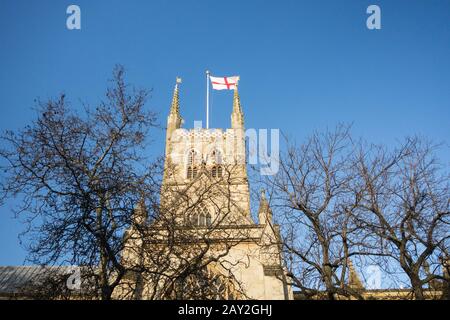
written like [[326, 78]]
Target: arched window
[[216, 169], [216, 156], [200, 218], [208, 220], [193, 221], [192, 169]]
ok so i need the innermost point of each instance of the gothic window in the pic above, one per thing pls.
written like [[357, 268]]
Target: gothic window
[[201, 284], [216, 157], [193, 220], [218, 289], [216, 169], [192, 169], [200, 218], [192, 172]]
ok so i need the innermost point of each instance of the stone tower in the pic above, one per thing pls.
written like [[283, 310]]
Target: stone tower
[[217, 153], [220, 154], [205, 190]]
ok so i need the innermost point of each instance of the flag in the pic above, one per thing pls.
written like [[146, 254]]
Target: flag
[[224, 83]]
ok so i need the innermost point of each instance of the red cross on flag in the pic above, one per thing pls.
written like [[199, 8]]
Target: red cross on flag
[[224, 83]]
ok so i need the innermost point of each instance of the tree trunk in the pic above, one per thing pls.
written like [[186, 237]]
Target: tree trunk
[[103, 267], [417, 287], [329, 282]]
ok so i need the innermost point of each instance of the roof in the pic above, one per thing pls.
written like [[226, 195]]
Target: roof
[[13, 279]]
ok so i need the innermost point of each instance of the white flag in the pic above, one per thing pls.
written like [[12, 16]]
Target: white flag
[[224, 83]]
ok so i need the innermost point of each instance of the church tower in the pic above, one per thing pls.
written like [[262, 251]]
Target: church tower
[[216, 153], [202, 159], [205, 202]]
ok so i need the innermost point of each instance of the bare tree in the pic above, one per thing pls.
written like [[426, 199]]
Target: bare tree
[[404, 201], [78, 179], [313, 198], [184, 251], [91, 199]]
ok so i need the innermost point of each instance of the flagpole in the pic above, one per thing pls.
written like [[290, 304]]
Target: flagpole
[[207, 99]]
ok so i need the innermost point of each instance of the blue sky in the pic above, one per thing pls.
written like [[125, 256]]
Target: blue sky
[[304, 65]]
